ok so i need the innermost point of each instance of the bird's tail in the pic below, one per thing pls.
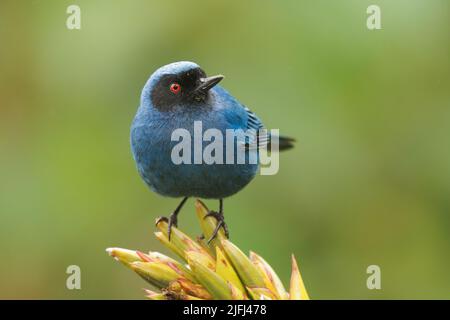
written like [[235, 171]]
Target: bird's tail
[[284, 143]]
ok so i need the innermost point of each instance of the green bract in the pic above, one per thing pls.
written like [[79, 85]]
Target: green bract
[[219, 271]]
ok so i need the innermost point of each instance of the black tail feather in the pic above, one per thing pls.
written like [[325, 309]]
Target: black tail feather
[[286, 143]]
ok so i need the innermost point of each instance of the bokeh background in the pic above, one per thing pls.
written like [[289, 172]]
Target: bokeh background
[[368, 183]]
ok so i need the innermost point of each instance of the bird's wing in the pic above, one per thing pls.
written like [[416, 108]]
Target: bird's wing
[[241, 117], [253, 121], [258, 137]]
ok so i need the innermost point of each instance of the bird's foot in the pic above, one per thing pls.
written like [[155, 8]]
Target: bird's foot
[[220, 224], [172, 221]]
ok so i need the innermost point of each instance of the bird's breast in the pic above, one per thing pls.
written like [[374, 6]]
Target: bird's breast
[[153, 142]]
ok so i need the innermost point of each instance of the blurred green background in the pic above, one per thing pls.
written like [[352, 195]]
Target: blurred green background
[[368, 183]]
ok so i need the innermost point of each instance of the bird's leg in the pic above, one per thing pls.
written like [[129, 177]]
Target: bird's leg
[[220, 221], [173, 218]]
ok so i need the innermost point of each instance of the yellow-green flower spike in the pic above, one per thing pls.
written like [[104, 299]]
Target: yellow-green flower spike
[[165, 241], [215, 284], [261, 294], [297, 290], [157, 274], [123, 255], [201, 258], [236, 294], [203, 243], [179, 241], [219, 270], [208, 225], [248, 273], [154, 295], [171, 263], [193, 289], [271, 279], [226, 270]]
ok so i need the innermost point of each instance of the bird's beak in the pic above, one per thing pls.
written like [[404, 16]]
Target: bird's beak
[[207, 83]]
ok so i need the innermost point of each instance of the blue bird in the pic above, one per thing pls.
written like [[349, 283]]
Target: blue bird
[[175, 96]]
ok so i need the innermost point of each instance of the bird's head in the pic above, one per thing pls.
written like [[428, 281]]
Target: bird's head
[[178, 84]]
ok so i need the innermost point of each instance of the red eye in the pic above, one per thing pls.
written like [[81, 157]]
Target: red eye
[[175, 88]]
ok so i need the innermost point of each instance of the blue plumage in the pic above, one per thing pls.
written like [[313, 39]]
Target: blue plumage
[[174, 97]]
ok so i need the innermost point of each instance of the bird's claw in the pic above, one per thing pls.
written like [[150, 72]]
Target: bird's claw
[[161, 219], [220, 224], [172, 221]]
